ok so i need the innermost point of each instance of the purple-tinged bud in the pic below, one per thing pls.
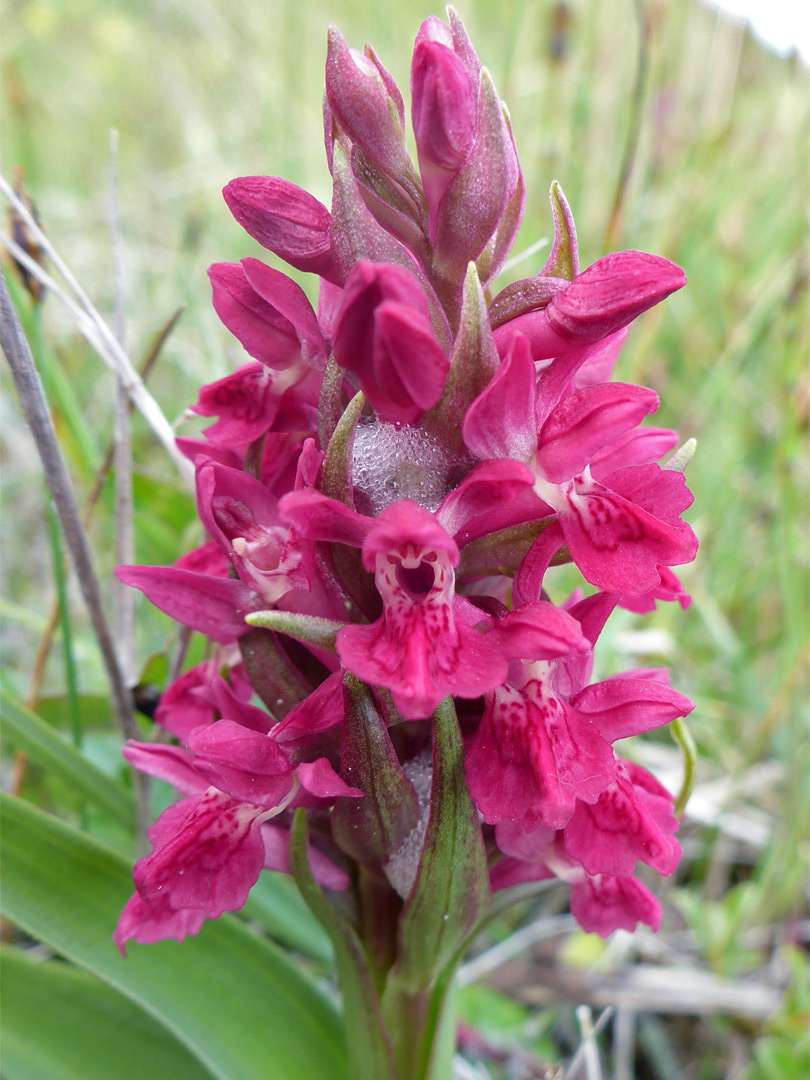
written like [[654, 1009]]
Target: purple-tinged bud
[[478, 196], [279, 332], [607, 296], [444, 117], [361, 101], [285, 219], [357, 235], [383, 333], [492, 259]]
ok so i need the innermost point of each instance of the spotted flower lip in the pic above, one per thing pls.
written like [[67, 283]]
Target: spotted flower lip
[[387, 483]]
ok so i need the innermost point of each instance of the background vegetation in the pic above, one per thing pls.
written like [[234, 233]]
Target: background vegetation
[[670, 130]]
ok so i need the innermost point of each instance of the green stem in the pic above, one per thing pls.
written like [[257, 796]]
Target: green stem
[[422, 1026], [681, 735]]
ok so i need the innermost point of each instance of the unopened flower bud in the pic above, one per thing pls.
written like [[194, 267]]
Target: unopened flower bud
[[366, 105], [444, 116], [268, 313], [285, 219], [383, 334]]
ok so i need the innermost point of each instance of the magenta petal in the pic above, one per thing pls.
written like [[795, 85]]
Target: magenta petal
[[662, 492], [262, 330], [585, 422], [618, 544], [157, 920], [169, 763], [246, 405], [194, 448], [410, 368], [290, 300], [489, 498], [232, 503], [631, 820], [384, 334], [231, 706], [500, 423], [528, 583], [533, 757], [600, 301], [208, 856], [603, 904], [511, 771], [669, 589], [623, 707], [321, 780], [612, 292], [208, 558], [420, 659], [405, 524], [317, 517], [245, 764], [444, 116], [642, 446], [538, 631], [182, 706], [323, 709], [215, 606]]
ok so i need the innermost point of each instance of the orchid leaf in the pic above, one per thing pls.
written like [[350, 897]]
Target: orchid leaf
[[238, 1004], [30, 733], [61, 1023]]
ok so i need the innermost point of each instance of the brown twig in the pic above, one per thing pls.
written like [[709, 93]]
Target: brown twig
[[35, 410], [20, 761], [94, 328], [123, 596], [37, 415]]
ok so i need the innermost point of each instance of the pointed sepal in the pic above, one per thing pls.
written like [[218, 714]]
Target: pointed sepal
[[473, 362]]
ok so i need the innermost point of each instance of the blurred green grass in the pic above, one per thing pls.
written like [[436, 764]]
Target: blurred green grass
[[201, 92]]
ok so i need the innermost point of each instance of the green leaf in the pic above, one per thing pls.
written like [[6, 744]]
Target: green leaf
[[369, 1044], [95, 708], [28, 732], [240, 1006], [61, 1023], [451, 891]]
